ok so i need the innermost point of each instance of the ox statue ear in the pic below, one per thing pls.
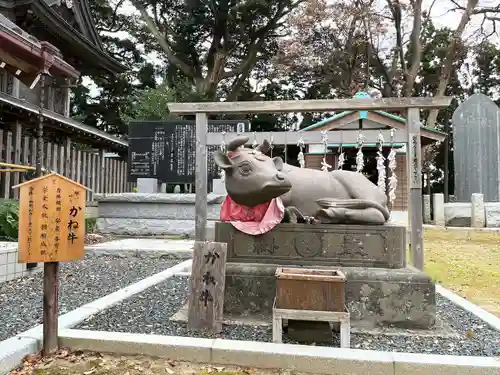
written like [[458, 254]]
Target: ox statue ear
[[222, 160], [264, 147], [278, 162]]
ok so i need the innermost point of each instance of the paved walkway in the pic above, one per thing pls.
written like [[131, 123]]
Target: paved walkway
[[143, 245]]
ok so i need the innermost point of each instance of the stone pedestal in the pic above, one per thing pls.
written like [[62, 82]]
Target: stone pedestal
[[478, 213], [147, 185], [493, 215], [219, 186], [438, 207], [380, 290], [136, 214], [318, 245], [427, 208], [374, 296]]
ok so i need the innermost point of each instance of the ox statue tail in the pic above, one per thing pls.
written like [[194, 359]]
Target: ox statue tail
[[355, 204]]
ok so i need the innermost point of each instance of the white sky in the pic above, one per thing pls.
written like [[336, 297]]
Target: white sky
[[441, 14]]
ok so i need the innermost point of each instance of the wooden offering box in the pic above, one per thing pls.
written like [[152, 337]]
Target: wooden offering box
[[310, 289]]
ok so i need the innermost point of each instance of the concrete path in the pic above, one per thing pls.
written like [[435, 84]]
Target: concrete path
[[142, 245]]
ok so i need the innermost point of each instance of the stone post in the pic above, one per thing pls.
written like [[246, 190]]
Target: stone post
[[219, 186], [147, 185], [438, 203], [478, 212], [427, 208]]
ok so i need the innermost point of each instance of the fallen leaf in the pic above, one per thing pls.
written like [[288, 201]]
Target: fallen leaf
[[169, 370], [31, 358], [172, 362], [91, 371], [62, 354]]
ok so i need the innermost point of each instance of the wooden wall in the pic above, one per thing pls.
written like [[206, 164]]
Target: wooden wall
[[401, 203], [101, 175]]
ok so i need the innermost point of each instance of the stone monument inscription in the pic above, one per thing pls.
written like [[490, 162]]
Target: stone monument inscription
[[346, 245], [476, 137]]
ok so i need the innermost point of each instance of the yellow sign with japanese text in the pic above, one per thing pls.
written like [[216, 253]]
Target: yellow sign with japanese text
[[51, 219]]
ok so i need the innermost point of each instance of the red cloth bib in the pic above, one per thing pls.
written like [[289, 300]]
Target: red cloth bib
[[253, 220]]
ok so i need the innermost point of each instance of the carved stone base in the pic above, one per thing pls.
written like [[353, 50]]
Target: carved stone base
[[313, 244], [374, 296]]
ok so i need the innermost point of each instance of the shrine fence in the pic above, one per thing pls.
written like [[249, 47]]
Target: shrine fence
[[411, 136], [94, 170]]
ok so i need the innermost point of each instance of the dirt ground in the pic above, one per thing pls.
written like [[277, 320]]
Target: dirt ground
[[467, 263], [83, 363]]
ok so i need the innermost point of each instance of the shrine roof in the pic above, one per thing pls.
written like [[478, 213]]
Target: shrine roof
[[52, 174], [86, 48], [430, 133], [84, 44], [343, 114], [58, 125], [22, 51]]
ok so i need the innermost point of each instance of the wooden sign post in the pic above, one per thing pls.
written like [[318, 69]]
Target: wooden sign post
[[206, 286], [51, 230]]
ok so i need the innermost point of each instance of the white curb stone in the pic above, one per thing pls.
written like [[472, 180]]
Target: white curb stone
[[481, 313], [302, 358], [312, 359], [172, 347], [14, 349], [427, 364]]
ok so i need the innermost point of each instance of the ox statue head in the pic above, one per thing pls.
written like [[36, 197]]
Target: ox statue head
[[252, 177]]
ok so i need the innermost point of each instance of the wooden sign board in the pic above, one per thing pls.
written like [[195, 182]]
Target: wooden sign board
[[206, 286], [51, 219]]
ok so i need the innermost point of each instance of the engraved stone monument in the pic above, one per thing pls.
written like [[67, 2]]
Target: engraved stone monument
[[476, 140]]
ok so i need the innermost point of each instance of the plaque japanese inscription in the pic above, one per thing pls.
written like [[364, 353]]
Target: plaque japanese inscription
[[51, 220], [206, 286], [166, 149]]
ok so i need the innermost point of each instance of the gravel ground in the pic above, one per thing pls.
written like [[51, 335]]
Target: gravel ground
[[81, 282], [150, 312]]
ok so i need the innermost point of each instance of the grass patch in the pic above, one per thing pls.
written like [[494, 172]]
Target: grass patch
[[69, 363], [466, 262]]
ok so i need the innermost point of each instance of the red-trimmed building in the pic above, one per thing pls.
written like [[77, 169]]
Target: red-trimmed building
[[57, 38]]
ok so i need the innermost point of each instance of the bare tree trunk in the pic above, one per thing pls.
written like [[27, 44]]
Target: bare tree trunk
[[451, 52], [416, 48]]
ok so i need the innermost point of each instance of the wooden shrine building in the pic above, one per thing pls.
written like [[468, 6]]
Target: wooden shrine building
[[364, 120], [52, 42]]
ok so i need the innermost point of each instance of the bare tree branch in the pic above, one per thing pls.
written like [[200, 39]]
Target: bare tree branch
[[165, 46], [416, 48], [447, 65]]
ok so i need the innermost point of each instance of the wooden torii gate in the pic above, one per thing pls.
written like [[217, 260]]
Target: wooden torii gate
[[410, 107]]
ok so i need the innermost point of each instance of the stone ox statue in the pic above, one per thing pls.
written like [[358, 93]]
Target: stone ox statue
[[308, 195]]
